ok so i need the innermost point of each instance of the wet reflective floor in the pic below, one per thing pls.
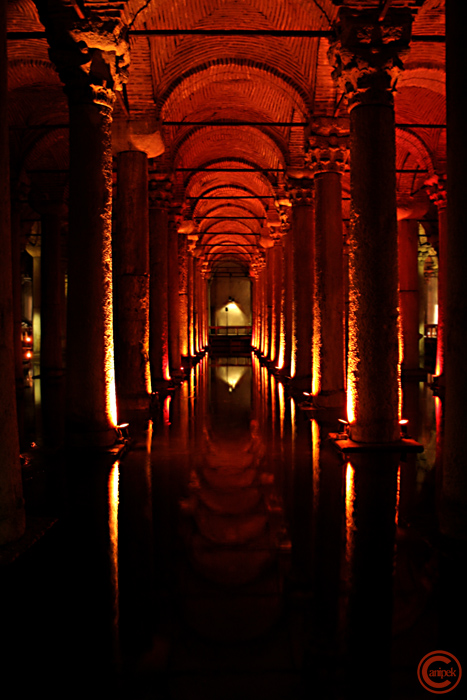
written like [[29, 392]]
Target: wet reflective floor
[[231, 553]]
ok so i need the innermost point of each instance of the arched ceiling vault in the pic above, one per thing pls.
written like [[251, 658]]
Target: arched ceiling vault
[[259, 90]]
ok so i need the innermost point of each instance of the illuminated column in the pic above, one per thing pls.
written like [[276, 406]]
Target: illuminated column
[[301, 195], [408, 292], [183, 295], [288, 298], [269, 302], [437, 192], [191, 306], [159, 200], [454, 494], [174, 303], [326, 158], [278, 303], [131, 281], [92, 58], [12, 520], [366, 60]]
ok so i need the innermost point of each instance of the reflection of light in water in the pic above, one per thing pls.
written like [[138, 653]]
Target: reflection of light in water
[[273, 401], [349, 511], [315, 442], [166, 410], [292, 420], [400, 340], [398, 491], [280, 391], [113, 532], [230, 375]]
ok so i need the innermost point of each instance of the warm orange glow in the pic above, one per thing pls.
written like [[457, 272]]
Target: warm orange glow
[[349, 511], [109, 363], [293, 423], [398, 493], [316, 348], [166, 410], [400, 337], [273, 400], [280, 392], [352, 356], [293, 350], [315, 444], [113, 499]]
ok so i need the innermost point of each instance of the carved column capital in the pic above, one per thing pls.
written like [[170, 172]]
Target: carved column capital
[[367, 55], [91, 55], [436, 190], [327, 153], [159, 191], [301, 190]]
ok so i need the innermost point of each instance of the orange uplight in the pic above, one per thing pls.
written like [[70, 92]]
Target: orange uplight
[[280, 393], [316, 349], [109, 361], [400, 338], [29, 354]]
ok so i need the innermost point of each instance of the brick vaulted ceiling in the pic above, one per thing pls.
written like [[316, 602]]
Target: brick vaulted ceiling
[[269, 79]]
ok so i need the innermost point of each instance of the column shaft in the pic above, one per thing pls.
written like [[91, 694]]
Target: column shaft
[[174, 303], [454, 505], [373, 378], [51, 295], [408, 291], [328, 307], [158, 295], [303, 252], [131, 278]]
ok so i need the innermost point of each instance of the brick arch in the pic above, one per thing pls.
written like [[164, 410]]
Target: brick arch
[[240, 143], [199, 76]]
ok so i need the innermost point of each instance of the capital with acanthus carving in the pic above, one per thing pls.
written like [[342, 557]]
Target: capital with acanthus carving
[[367, 55], [436, 189], [91, 55]]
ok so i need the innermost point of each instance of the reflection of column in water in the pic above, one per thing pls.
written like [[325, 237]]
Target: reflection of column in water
[[113, 532], [371, 488], [301, 526], [136, 547]]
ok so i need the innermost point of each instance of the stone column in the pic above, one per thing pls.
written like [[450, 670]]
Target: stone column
[[183, 294], [303, 234], [131, 284], [159, 200], [453, 519], [278, 309], [408, 292], [366, 62], [326, 158], [12, 519], [174, 303], [436, 188], [92, 57]]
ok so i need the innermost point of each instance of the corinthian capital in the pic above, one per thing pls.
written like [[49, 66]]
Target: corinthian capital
[[91, 55], [367, 55], [328, 145]]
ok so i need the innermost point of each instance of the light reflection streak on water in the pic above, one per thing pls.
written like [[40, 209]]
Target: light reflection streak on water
[[349, 512], [293, 421], [315, 444], [280, 391], [166, 410], [273, 401], [113, 496], [398, 492]]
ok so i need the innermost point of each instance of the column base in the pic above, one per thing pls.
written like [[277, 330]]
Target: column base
[[300, 386], [347, 446]]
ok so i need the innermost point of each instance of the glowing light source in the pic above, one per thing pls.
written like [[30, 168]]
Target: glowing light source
[[404, 426]]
